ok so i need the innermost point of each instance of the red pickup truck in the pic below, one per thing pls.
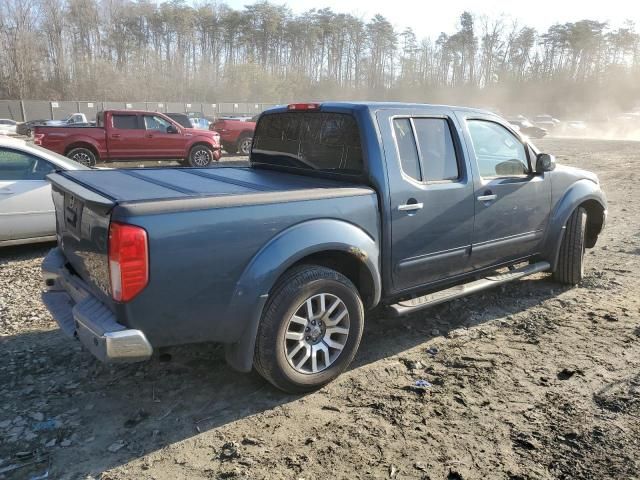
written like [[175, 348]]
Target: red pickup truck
[[132, 135], [236, 133]]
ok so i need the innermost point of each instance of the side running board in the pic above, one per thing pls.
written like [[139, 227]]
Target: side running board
[[418, 303]]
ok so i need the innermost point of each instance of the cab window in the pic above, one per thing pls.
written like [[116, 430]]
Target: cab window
[[153, 122], [15, 165], [498, 151]]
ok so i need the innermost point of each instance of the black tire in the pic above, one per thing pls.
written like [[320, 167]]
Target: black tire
[[243, 146], [200, 156], [83, 156], [230, 148], [288, 298], [570, 268]]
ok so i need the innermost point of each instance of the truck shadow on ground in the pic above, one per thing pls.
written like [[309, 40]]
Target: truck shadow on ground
[[84, 417]]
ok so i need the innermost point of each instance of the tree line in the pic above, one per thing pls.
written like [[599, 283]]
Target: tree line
[[140, 50]]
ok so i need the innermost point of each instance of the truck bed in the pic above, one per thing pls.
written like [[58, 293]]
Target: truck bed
[[203, 225]]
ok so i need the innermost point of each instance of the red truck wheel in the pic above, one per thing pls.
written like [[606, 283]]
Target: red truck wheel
[[83, 156], [244, 144], [200, 156]]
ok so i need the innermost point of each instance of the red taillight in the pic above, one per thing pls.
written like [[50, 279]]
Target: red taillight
[[303, 106], [128, 261], [37, 138]]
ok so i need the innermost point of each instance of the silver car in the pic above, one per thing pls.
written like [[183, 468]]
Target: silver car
[[26, 208]]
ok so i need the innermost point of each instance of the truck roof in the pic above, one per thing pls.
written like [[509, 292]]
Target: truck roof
[[374, 106]]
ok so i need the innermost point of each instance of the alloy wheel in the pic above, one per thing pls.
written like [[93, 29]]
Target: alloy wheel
[[316, 333]]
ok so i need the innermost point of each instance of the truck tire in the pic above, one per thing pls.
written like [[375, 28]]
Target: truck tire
[[230, 148], [310, 329], [82, 155], [200, 156], [570, 268], [244, 144]]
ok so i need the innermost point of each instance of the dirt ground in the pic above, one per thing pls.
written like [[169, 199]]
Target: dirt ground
[[530, 381]]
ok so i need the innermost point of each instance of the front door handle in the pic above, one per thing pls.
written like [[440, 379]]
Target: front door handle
[[5, 191], [149, 135], [487, 198], [408, 207], [115, 135]]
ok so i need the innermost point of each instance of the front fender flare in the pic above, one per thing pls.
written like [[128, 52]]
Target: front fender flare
[[280, 253], [580, 192]]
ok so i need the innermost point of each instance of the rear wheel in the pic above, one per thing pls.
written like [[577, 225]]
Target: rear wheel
[[200, 156], [244, 144], [570, 268], [83, 156], [310, 329]]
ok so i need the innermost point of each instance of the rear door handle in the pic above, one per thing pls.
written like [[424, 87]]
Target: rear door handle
[[487, 198], [5, 191], [408, 207], [115, 135], [149, 135]]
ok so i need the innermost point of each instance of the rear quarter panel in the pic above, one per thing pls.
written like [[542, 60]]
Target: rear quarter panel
[[198, 257], [62, 139]]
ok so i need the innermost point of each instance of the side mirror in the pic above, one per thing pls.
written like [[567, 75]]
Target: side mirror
[[545, 163], [172, 129]]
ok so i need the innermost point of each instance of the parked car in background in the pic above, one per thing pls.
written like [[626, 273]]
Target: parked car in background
[[527, 128], [26, 208], [69, 120], [236, 133], [132, 135], [26, 128], [181, 118], [345, 206], [7, 126], [200, 123], [546, 121]]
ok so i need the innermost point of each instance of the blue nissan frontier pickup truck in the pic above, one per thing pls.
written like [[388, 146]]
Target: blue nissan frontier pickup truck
[[344, 207]]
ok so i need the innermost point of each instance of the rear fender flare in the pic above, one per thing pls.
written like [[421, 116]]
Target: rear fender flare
[[580, 192], [84, 142], [283, 251]]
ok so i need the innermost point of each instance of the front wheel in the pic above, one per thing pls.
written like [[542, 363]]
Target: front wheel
[[83, 156], [310, 329], [200, 156], [570, 268], [244, 144]]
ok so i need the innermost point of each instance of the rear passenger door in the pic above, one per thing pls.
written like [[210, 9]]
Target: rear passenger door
[[431, 196], [512, 200], [126, 136]]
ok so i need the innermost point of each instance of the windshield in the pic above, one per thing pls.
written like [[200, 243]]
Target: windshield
[[320, 141]]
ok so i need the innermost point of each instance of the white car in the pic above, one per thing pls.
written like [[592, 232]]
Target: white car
[[7, 126], [26, 208]]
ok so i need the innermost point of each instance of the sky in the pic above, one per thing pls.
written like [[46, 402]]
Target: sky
[[428, 17]]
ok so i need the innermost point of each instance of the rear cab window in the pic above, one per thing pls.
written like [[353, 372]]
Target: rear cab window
[[426, 149], [125, 121], [323, 142]]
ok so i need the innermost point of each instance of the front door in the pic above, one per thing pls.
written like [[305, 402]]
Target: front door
[[512, 201], [431, 197], [159, 143], [26, 207]]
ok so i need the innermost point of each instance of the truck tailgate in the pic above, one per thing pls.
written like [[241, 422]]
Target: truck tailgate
[[82, 227]]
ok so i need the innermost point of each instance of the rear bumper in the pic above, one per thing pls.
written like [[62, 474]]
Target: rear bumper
[[80, 314]]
